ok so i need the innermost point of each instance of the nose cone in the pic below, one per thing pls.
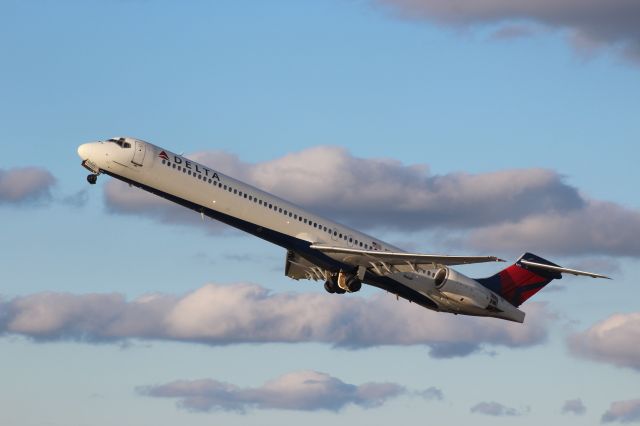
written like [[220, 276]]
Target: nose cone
[[83, 150]]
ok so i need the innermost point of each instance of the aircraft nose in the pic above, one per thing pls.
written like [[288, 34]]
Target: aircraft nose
[[83, 150]]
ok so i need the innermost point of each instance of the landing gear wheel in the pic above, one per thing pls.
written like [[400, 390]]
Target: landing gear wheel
[[328, 285], [354, 284], [92, 179]]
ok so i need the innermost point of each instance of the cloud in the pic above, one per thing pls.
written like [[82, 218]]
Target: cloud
[[301, 390], [432, 394], [511, 32], [494, 409], [610, 23], [503, 210], [244, 313], [613, 340], [574, 406], [25, 185], [598, 228], [76, 200], [120, 198], [623, 412]]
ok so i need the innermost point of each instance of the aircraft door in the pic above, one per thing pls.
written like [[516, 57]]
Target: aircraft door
[[138, 153]]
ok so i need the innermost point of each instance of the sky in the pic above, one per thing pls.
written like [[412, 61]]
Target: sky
[[493, 127]]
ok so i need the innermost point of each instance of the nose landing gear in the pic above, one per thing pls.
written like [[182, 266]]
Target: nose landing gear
[[92, 178]]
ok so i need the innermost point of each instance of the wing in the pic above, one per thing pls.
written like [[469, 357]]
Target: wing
[[369, 257]]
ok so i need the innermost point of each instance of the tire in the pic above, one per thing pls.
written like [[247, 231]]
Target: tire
[[328, 286], [354, 284]]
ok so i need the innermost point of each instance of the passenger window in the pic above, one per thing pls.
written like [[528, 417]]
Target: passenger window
[[174, 165], [235, 191]]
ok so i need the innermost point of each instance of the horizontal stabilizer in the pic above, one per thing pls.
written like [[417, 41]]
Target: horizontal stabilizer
[[561, 269], [364, 257], [526, 277]]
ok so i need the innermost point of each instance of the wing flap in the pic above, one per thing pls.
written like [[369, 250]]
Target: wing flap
[[364, 257]]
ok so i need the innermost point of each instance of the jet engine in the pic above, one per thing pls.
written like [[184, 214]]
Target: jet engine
[[463, 290]]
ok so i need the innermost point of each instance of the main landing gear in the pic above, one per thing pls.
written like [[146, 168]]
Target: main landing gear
[[92, 178], [343, 283]]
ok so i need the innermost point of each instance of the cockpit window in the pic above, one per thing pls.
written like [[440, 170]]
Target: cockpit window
[[121, 142]]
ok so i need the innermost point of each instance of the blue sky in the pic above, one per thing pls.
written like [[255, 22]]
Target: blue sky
[[405, 83]]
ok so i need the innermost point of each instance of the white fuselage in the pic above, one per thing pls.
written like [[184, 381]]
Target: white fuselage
[[246, 207]]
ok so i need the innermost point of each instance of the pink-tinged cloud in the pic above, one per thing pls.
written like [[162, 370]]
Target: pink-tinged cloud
[[597, 228], [511, 32], [623, 412], [375, 192], [495, 409], [615, 340], [574, 406], [300, 390], [25, 185], [509, 210], [243, 313], [612, 23]]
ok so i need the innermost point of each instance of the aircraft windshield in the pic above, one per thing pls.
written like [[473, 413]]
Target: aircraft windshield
[[121, 142]]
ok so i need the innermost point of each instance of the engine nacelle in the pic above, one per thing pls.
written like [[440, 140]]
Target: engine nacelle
[[463, 290]]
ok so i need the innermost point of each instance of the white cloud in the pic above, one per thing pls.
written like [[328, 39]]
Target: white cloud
[[243, 313], [301, 390], [613, 340], [494, 409], [574, 406], [23, 185], [431, 393], [623, 412], [611, 23], [598, 228], [503, 210]]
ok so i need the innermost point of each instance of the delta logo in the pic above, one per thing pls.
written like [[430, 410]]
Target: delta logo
[[189, 166]]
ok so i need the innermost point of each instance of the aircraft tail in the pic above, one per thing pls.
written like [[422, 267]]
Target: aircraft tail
[[526, 277], [523, 279]]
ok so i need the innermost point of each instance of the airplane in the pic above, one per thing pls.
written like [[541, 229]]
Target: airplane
[[320, 249]]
